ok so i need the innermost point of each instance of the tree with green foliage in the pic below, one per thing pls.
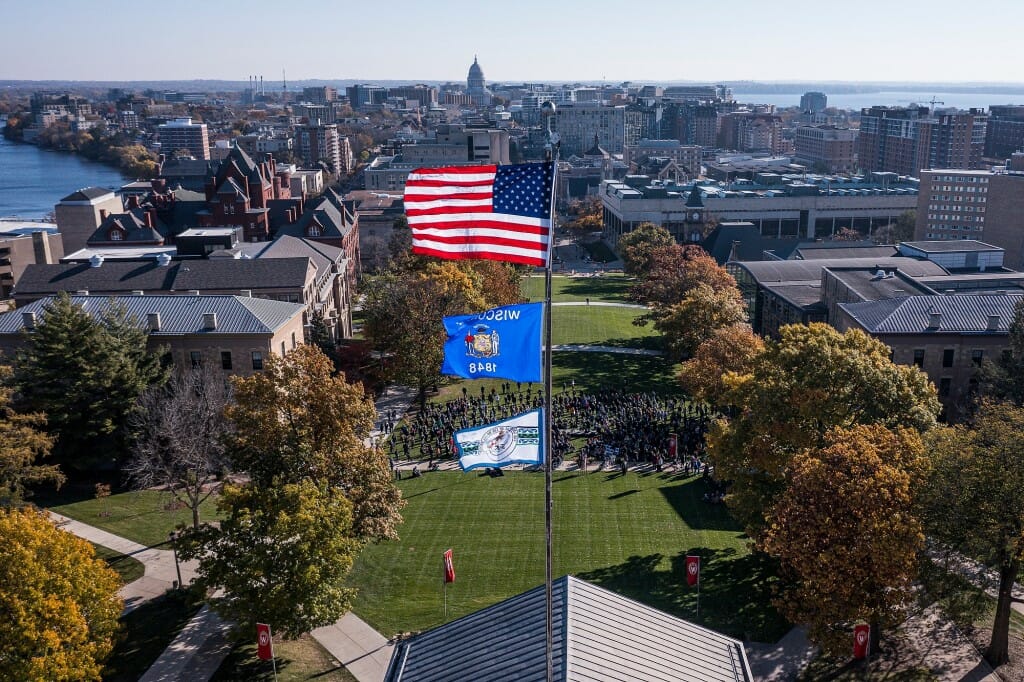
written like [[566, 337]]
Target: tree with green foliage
[[280, 554], [845, 534], [900, 230], [59, 602], [972, 499], [23, 442], [297, 420], [636, 247], [1003, 378], [811, 380], [85, 374]]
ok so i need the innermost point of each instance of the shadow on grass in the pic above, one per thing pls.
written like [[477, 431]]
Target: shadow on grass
[[598, 288], [735, 591], [624, 493], [630, 373], [687, 501], [147, 631]]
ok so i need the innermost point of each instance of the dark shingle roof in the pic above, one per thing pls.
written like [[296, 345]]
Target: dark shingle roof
[[598, 635], [132, 224], [286, 246], [179, 314], [88, 194], [958, 314], [333, 223], [117, 276]]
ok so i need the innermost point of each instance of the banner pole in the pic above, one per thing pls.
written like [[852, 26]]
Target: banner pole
[[552, 155]]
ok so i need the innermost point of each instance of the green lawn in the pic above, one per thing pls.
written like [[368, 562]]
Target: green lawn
[[629, 534], [128, 568], [301, 659], [599, 325], [605, 288], [146, 632], [145, 516]]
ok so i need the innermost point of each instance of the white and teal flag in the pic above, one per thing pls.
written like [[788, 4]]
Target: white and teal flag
[[512, 441]]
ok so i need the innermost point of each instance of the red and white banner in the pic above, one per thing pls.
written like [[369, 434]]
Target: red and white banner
[[264, 642], [672, 445], [692, 569], [861, 639], [449, 567]]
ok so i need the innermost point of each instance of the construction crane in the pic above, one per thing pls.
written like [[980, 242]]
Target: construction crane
[[934, 101]]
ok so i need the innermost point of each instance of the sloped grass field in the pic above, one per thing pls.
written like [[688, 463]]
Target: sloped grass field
[[627, 533], [612, 288], [601, 325]]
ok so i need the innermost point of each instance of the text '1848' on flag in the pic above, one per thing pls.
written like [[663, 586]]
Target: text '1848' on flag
[[502, 343], [491, 212], [516, 440]]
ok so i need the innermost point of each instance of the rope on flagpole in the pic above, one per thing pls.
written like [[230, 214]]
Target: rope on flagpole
[[548, 111]]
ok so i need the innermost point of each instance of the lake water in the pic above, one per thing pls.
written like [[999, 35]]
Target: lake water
[[895, 98], [33, 180]]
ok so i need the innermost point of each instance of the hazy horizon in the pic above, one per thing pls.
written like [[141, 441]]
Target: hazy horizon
[[803, 42]]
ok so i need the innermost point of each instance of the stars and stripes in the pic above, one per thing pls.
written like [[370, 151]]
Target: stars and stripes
[[490, 212]]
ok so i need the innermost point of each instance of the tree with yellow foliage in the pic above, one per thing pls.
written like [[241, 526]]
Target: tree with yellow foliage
[[728, 349], [59, 602]]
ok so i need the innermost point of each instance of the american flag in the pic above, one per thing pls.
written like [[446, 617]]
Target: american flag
[[491, 212]]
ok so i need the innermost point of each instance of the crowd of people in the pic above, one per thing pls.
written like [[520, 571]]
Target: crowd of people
[[608, 427]]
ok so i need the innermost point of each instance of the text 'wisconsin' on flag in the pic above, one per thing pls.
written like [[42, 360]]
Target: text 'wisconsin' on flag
[[490, 212]]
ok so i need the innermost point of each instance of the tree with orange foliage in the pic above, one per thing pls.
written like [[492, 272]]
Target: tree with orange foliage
[[673, 271], [728, 349], [845, 534], [693, 320]]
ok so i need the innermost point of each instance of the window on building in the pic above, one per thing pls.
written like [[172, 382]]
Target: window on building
[[257, 360], [225, 359], [116, 235], [947, 357], [282, 349], [197, 358], [313, 231], [977, 355], [293, 341], [919, 357], [944, 385]]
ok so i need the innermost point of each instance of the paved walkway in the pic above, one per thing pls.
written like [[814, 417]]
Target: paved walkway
[[362, 650], [782, 661], [584, 348], [606, 304], [196, 653]]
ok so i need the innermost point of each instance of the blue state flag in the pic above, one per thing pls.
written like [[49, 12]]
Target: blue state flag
[[516, 440], [501, 343]]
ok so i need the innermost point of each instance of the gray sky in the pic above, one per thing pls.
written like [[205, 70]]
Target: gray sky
[[561, 40]]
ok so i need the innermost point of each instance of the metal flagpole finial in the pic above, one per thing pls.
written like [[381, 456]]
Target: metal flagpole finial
[[548, 111]]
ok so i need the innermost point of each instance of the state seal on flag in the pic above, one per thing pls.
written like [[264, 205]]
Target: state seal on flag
[[499, 442], [482, 342]]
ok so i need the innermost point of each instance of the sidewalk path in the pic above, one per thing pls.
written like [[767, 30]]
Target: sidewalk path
[[362, 650], [782, 661], [196, 653], [607, 304], [160, 574], [604, 349]]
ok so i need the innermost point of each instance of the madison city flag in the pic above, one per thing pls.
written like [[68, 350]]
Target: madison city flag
[[490, 212], [502, 343], [516, 440], [449, 567]]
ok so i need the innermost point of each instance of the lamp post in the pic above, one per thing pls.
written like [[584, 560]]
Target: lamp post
[[173, 536]]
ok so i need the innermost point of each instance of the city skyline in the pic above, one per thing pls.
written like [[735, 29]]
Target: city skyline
[[873, 42]]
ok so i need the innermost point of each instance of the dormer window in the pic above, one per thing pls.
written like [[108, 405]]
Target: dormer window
[[314, 230], [116, 235]]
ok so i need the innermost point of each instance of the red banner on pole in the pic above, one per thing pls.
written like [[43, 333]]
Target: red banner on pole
[[861, 637], [449, 567], [264, 643], [692, 569], [672, 445]]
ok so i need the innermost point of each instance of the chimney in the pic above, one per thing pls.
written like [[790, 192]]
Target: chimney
[[103, 214], [133, 201], [934, 320], [29, 320], [153, 320], [209, 321], [149, 218], [993, 323], [41, 247]]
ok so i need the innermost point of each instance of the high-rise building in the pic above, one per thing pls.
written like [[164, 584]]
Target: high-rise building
[[813, 102], [182, 134], [749, 131], [905, 140], [362, 96], [319, 95], [1005, 132], [826, 149], [318, 142], [577, 124], [975, 204]]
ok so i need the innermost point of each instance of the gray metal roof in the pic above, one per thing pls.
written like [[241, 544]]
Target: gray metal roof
[[178, 314], [951, 246], [599, 636], [958, 314], [809, 270], [88, 194]]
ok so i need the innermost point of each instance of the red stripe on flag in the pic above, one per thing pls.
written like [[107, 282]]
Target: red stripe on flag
[[444, 210], [481, 239], [483, 224], [426, 182], [480, 255], [455, 170], [478, 196]]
